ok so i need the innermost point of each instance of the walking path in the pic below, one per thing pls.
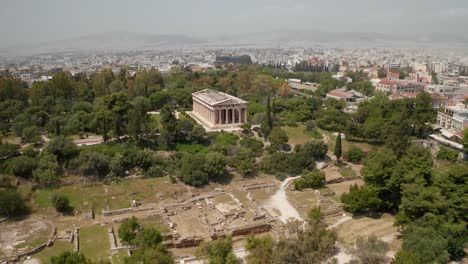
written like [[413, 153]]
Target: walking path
[[280, 202]]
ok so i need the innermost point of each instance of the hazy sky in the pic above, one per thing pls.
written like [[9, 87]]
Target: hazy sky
[[29, 21]]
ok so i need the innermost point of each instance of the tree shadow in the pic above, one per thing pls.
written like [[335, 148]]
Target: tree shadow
[[225, 179]]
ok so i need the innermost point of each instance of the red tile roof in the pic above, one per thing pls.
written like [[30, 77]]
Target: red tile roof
[[386, 81], [393, 74]]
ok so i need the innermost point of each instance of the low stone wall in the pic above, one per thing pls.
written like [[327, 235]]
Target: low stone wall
[[49, 242], [77, 240], [117, 212], [188, 242], [256, 186], [113, 242], [126, 210], [252, 229]]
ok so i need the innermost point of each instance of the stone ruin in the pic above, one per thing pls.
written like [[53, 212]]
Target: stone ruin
[[230, 217]]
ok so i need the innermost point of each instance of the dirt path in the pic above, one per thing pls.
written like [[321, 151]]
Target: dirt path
[[278, 204]]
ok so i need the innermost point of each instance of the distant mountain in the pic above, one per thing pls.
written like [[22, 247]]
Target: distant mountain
[[108, 42], [123, 41]]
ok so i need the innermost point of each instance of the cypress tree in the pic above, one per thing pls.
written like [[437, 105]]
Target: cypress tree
[[273, 107], [338, 147], [57, 128], [268, 113]]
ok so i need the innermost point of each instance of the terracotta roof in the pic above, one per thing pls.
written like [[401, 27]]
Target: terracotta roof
[[409, 94], [386, 81], [393, 75], [339, 94]]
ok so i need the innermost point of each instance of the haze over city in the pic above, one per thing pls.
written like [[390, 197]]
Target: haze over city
[[35, 23]]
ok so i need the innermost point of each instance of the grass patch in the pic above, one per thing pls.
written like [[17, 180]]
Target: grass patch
[[119, 257], [157, 223], [57, 248], [94, 242], [191, 148], [224, 139], [297, 134], [347, 172], [155, 121], [81, 197]]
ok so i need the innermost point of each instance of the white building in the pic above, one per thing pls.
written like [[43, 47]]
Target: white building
[[453, 118]]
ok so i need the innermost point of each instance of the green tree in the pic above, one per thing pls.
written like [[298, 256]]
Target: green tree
[[260, 249], [355, 154], [314, 244], [427, 244], [61, 203], [93, 163], [278, 137], [63, 148], [128, 230], [148, 237], [68, 257], [215, 165], [218, 251], [46, 173], [243, 160], [139, 120], [370, 250], [31, 134], [445, 153], [11, 203], [118, 106], [406, 257], [268, 120], [22, 166], [360, 200], [337, 151], [152, 255], [190, 168], [8, 150], [465, 139], [310, 179]]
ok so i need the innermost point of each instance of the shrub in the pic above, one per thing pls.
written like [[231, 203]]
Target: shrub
[[31, 134], [360, 200], [190, 168], [253, 144], [310, 179], [311, 125], [11, 204], [226, 139], [317, 149], [277, 137], [70, 258], [94, 163], [355, 154], [21, 166], [128, 230], [445, 153], [8, 151], [61, 203], [154, 171], [215, 165], [63, 148]]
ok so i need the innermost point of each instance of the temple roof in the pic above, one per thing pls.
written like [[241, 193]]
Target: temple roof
[[213, 97]]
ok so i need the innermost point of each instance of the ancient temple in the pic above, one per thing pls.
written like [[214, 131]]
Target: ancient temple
[[218, 110]]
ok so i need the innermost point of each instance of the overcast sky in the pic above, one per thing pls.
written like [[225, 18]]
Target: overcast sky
[[29, 21]]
